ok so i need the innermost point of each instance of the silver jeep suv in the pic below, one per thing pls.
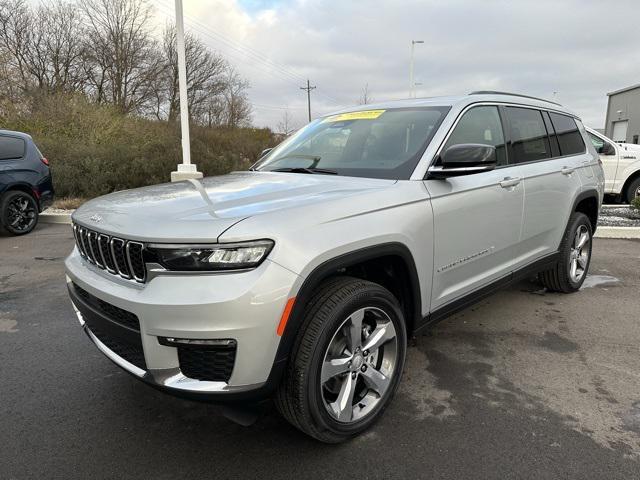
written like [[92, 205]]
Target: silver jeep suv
[[301, 279]]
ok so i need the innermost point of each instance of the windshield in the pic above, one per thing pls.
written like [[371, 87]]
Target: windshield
[[373, 143]]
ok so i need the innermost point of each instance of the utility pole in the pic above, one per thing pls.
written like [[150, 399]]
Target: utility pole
[[186, 170], [308, 88], [411, 84]]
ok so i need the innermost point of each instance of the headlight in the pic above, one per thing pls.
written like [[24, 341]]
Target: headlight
[[212, 257]]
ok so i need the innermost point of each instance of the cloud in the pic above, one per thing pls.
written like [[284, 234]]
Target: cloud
[[579, 49]]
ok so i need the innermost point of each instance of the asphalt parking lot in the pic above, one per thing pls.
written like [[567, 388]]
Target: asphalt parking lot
[[526, 384]]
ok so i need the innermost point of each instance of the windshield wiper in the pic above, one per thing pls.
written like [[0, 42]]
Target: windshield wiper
[[324, 171]]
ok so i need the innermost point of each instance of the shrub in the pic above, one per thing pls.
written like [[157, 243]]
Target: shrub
[[635, 203], [94, 150]]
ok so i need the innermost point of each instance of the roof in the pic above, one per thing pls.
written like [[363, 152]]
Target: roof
[[22, 135], [450, 101], [622, 90]]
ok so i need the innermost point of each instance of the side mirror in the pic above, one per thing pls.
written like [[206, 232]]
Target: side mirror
[[264, 152], [464, 159], [607, 149]]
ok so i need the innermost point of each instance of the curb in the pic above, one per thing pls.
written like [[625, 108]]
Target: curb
[[617, 232], [64, 218]]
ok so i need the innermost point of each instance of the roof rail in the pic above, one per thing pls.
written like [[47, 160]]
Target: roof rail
[[492, 92]]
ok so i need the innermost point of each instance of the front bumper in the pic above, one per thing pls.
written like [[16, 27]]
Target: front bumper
[[243, 306]]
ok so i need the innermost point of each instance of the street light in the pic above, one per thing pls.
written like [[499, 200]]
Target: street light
[[186, 169], [411, 83]]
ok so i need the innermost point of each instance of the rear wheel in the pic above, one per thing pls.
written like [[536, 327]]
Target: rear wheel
[[18, 212], [575, 257], [347, 360], [633, 190]]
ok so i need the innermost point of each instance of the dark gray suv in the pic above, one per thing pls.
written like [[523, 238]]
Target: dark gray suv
[[25, 182]]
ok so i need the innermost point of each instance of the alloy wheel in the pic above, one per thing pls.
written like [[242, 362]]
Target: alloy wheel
[[359, 365], [579, 256], [21, 213]]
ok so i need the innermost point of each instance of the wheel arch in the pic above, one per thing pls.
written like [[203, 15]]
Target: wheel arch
[[391, 265], [587, 202], [21, 187], [631, 178]]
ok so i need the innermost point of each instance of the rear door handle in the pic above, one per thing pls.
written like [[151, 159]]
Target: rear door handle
[[567, 170], [509, 182]]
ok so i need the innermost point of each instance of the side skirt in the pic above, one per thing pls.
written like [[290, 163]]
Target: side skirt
[[471, 298]]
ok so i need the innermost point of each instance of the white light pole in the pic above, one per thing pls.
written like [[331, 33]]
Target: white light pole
[[186, 170], [411, 85]]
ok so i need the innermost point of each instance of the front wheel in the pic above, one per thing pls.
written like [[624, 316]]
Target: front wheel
[[633, 190], [575, 257], [347, 360]]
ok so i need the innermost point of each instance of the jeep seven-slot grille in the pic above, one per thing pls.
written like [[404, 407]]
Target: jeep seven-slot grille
[[117, 256]]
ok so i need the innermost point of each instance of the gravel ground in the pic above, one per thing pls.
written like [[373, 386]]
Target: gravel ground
[[619, 217]]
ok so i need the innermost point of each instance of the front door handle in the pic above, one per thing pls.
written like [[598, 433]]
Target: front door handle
[[508, 182], [567, 170]]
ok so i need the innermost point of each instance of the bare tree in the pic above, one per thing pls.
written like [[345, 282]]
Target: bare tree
[[205, 75], [44, 45], [105, 50], [365, 96], [124, 61], [236, 104], [285, 125]]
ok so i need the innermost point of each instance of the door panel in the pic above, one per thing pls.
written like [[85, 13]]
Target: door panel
[[476, 217], [476, 230], [549, 194]]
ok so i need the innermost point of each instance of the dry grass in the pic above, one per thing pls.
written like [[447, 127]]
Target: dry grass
[[68, 203]]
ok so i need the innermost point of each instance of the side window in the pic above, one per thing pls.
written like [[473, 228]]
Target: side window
[[528, 135], [11, 148], [480, 125], [602, 147], [553, 138], [569, 136], [597, 142]]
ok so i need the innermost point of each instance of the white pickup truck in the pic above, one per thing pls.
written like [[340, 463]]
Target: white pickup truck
[[621, 163]]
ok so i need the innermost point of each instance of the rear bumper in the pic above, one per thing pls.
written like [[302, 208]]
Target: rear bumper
[[189, 307]]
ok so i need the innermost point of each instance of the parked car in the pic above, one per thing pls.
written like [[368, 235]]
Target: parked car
[[25, 182], [621, 163], [303, 278]]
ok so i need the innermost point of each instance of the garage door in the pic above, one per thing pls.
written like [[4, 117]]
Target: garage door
[[620, 131]]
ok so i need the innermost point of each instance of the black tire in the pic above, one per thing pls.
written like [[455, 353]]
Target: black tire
[[7, 212], [558, 278], [299, 396], [633, 190]]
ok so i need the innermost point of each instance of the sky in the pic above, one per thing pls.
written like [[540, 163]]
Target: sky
[[573, 52]]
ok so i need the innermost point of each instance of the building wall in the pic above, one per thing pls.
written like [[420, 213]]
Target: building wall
[[628, 103]]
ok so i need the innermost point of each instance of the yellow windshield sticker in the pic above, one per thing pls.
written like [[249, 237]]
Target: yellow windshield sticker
[[363, 115]]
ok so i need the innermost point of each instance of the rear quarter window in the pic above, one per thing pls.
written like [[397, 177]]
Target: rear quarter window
[[11, 148], [569, 136]]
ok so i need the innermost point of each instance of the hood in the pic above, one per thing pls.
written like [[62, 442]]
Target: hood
[[631, 147], [201, 210]]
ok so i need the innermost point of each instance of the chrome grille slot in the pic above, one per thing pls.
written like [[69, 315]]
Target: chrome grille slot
[[85, 244], [105, 252], [136, 261], [118, 251], [117, 256], [76, 234], [92, 239]]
